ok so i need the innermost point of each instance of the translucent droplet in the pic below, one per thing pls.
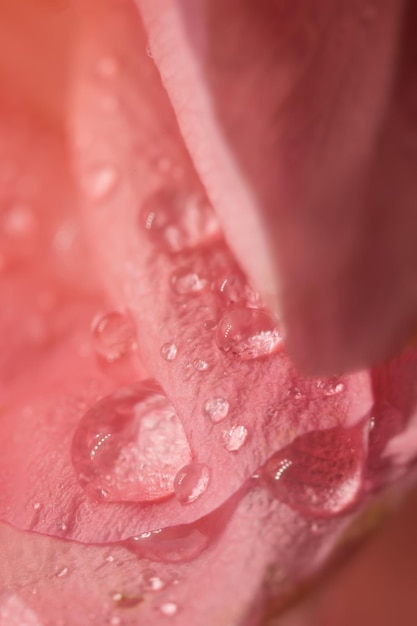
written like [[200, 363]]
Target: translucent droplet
[[248, 333], [37, 506], [62, 572], [191, 482], [176, 544], [169, 351], [169, 608], [320, 473], [234, 438], [200, 365], [217, 409], [209, 325], [151, 581], [189, 283], [235, 290], [100, 181], [176, 220], [130, 446], [331, 387], [113, 335]]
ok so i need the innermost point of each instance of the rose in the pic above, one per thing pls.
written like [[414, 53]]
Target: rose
[[55, 284]]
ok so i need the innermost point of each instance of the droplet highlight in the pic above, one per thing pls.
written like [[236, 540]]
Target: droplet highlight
[[248, 333], [175, 220], [169, 608], [176, 544], [235, 438], [235, 290], [217, 409], [200, 365], [151, 581], [113, 335], [130, 446], [191, 482], [169, 351], [100, 181], [185, 282], [320, 473]]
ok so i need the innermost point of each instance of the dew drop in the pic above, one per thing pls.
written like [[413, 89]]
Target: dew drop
[[130, 446], [217, 409], [113, 335], [330, 387], [100, 181], [320, 473], [169, 608], [200, 365], [234, 438], [37, 506], [176, 544], [191, 482], [169, 351], [248, 333], [188, 283], [235, 290], [62, 572], [151, 581], [175, 220]]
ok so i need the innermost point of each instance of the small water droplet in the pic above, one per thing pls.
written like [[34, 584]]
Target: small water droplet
[[330, 387], [169, 608], [169, 351], [320, 473], [107, 67], [200, 365], [217, 409], [185, 282], [175, 220], [100, 181], [175, 544], [234, 438], [63, 526], [37, 506], [130, 446], [62, 572], [110, 558], [209, 325], [191, 482], [235, 290], [113, 335], [296, 393], [151, 581], [126, 601], [248, 333]]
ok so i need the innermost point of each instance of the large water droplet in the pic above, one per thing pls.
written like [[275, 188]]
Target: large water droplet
[[186, 282], [176, 220], [113, 335], [235, 290], [234, 438], [217, 409], [130, 446], [177, 544], [169, 351], [191, 482], [320, 473], [248, 333]]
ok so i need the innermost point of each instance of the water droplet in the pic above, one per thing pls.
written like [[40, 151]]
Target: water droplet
[[107, 67], [248, 333], [176, 544], [209, 325], [200, 365], [100, 181], [169, 351], [37, 506], [63, 526], [169, 608], [191, 482], [234, 438], [330, 387], [151, 581], [176, 220], [113, 335], [126, 601], [189, 283], [217, 409], [320, 473], [130, 446], [235, 290], [62, 572]]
